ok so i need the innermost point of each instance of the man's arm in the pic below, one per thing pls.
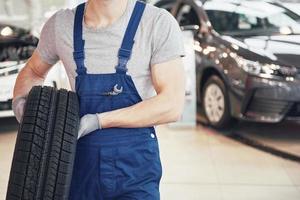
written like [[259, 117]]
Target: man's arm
[[169, 83], [32, 74]]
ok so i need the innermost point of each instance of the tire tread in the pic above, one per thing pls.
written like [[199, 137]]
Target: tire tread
[[42, 165]]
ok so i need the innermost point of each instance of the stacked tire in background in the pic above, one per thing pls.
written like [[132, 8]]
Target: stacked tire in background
[[45, 148]]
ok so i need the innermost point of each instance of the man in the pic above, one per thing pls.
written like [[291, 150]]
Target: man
[[116, 55]]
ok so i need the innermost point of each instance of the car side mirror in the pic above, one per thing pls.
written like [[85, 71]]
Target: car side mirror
[[286, 30]]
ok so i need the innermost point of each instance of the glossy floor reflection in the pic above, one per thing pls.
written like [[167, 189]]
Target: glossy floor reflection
[[200, 164]]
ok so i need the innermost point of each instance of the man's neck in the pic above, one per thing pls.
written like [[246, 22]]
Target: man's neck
[[102, 13]]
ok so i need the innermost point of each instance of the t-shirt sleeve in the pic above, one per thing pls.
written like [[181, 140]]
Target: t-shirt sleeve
[[47, 43], [167, 42]]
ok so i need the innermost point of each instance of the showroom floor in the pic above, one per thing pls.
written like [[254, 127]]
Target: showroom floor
[[200, 164]]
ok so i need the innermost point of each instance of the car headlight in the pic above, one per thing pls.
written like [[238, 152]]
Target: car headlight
[[6, 31], [256, 68]]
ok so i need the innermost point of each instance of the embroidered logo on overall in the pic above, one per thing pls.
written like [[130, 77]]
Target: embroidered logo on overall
[[115, 91]]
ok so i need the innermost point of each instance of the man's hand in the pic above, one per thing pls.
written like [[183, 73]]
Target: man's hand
[[88, 124], [18, 105]]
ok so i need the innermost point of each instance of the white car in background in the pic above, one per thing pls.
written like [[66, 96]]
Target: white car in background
[[16, 46]]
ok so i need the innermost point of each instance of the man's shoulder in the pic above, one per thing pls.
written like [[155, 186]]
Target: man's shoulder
[[152, 8], [65, 15], [156, 14], [63, 21]]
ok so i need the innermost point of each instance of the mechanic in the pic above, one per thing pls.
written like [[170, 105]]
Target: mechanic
[[123, 59]]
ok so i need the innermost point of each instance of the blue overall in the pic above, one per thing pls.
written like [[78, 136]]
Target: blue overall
[[113, 163]]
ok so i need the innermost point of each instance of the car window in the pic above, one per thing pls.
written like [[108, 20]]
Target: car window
[[251, 18], [224, 21], [237, 22], [280, 20], [187, 16]]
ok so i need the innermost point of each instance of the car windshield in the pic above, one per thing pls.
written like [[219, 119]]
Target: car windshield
[[252, 18]]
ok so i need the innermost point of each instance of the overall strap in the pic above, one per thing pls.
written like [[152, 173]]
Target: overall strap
[[128, 40], [78, 42]]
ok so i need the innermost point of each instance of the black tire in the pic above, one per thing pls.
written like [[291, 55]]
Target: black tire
[[45, 148], [226, 120]]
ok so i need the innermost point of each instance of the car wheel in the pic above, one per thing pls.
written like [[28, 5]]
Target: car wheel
[[45, 148], [216, 103]]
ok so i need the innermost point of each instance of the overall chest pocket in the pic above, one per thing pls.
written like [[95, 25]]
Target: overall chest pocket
[[97, 103], [90, 104], [124, 100]]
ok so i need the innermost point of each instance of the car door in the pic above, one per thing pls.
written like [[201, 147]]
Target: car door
[[191, 18], [210, 49]]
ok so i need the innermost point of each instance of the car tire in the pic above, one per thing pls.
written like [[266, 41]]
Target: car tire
[[215, 100], [45, 147]]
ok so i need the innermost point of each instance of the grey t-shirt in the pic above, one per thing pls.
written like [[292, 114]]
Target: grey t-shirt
[[158, 39]]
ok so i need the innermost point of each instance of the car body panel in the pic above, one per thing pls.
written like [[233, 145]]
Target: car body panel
[[286, 47]]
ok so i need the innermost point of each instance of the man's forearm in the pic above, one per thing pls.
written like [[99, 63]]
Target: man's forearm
[[26, 79], [154, 111]]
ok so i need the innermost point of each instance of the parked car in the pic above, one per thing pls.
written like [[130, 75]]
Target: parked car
[[233, 79], [16, 46]]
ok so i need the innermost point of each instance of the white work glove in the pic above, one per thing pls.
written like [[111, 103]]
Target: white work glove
[[18, 105], [88, 124]]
